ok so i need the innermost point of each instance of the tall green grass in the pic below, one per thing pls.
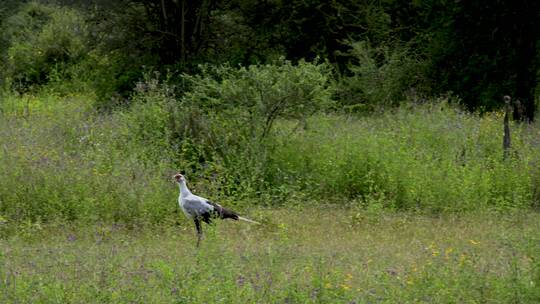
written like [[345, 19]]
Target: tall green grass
[[60, 159], [431, 157]]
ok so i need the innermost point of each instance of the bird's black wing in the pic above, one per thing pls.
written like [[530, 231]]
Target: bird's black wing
[[223, 213]]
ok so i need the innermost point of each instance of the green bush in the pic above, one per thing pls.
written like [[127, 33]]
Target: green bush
[[257, 95], [227, 117], [42, 40], [112, 75], [379, 77]]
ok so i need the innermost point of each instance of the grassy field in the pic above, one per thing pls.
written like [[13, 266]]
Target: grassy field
[[299, 255], [415, 205]]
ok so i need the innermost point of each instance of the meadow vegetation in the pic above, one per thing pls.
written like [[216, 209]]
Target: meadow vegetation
[[63, 160], [373, 182], [299, 255], [413, 205]]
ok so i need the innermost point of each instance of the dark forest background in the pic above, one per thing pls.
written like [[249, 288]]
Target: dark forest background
[[476, 50]]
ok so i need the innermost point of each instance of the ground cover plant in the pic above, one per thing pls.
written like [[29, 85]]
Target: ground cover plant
[[298, 255]]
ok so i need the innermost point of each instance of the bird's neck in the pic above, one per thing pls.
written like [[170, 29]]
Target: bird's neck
[[184, 191]]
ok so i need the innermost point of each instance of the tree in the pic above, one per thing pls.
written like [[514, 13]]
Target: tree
[[487, 49]]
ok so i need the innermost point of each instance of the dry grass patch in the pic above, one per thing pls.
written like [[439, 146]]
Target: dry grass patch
[[297, 256]]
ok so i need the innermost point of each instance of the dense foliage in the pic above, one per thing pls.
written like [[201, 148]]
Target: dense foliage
[[478, 50], [272, 102], [62, 160]]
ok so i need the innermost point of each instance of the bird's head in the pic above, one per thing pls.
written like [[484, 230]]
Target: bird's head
[[179, 178]]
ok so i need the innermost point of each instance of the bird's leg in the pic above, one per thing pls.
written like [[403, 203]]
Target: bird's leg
[[199, 230]]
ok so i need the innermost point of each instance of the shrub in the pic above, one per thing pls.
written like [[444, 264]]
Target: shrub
[[257, 95], [380, 77], [42, 39], [113, 74], [225, 119]]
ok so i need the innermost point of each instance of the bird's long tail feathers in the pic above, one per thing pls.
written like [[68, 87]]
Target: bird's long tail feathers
[[248, 220]]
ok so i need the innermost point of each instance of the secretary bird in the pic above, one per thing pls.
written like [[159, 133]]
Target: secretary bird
[[198, 208]]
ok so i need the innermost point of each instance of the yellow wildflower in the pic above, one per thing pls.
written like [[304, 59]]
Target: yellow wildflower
[[474, 242]]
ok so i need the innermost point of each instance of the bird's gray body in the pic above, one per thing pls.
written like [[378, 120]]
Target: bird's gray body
[[194, 206]]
